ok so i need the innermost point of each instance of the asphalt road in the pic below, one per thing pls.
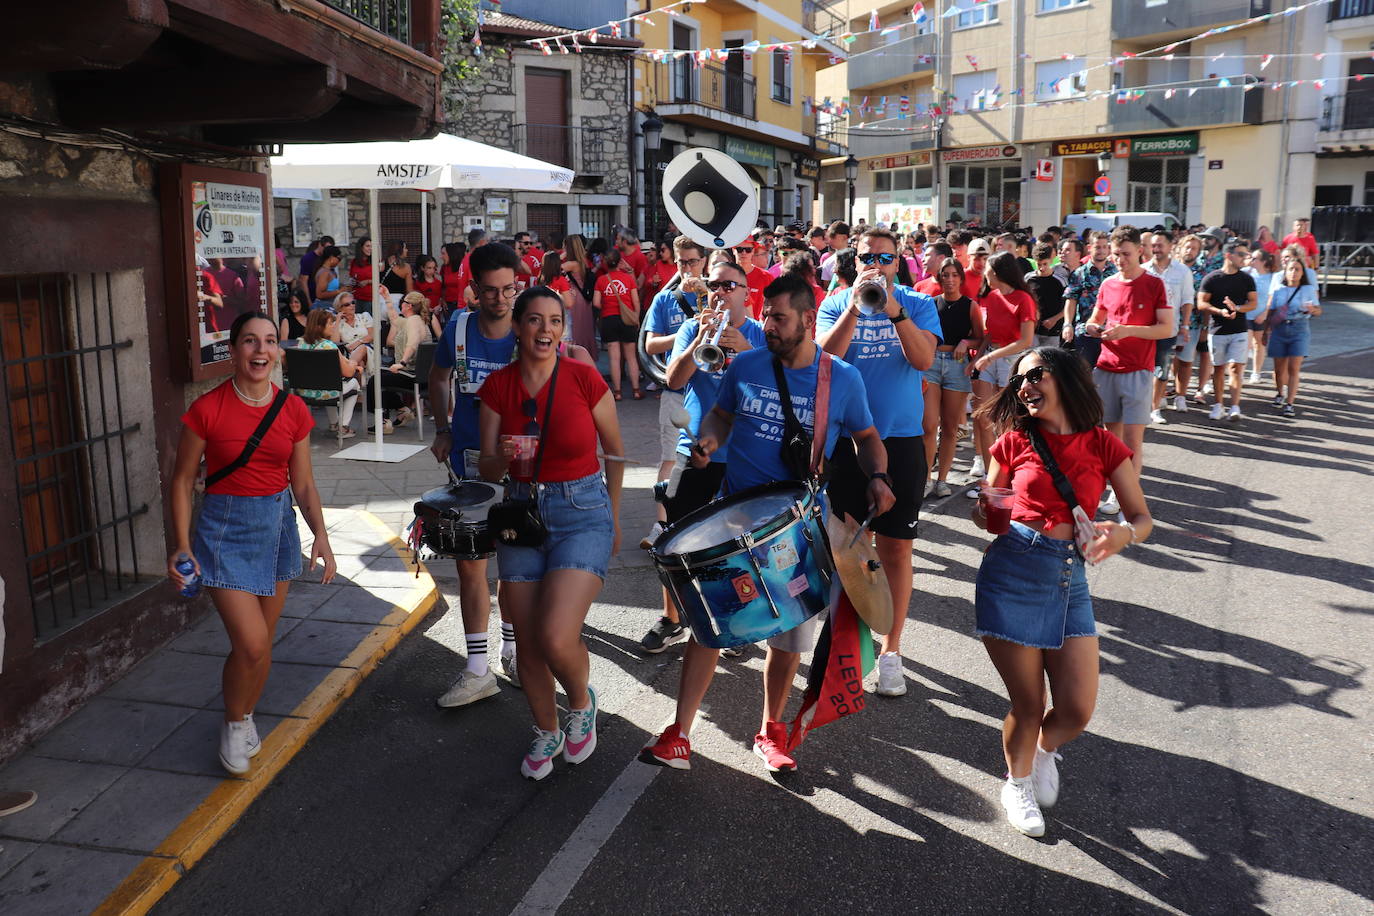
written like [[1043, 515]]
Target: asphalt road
[[1226, 769]]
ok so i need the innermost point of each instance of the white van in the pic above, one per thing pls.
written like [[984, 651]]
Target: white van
[[1105, 222]]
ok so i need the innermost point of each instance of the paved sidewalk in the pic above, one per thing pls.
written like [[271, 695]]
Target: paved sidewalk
[[130, 790]]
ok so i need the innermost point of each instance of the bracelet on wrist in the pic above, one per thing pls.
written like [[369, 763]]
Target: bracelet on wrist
[[446, 431], [1131, 528]]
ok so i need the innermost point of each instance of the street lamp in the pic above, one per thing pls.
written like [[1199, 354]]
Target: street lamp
[[653, 141], [851, 174]]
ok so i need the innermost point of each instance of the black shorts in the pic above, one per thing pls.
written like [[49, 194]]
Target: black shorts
[[906, 466], [696, 488], [615, 330]]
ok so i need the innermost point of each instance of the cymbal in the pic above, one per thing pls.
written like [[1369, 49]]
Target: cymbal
[[860, 573]]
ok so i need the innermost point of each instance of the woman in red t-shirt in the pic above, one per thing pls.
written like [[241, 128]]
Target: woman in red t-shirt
[[360, 270], [617, 300], [1031, 600], [548, 589], [662, 268], [1009, 313], [246, 550], [451, 274], [427, 281]]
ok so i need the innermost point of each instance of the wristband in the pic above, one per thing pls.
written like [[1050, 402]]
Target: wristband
[[881, 475], [446, 431]]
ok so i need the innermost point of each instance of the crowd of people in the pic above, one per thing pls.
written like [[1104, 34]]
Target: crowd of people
[[1052, 352]]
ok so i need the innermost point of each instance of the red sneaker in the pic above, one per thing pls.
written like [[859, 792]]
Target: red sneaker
[[670, 750], [768, 747]]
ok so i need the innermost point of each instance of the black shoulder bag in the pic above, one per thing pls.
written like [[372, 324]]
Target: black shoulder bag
[[516, 522], [253, 442], [1084, 532]]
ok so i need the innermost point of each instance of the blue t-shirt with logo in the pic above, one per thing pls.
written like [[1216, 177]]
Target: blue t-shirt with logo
[[484, 356], [666, 314], [894, 385], [749, 392], [703, 386]]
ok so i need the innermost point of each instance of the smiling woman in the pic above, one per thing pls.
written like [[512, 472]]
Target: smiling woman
[[255, 439]]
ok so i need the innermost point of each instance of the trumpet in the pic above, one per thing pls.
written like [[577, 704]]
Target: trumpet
[[710, 356], [872, 297]]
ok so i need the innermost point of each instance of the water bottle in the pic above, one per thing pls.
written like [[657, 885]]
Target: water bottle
[[190, 579]]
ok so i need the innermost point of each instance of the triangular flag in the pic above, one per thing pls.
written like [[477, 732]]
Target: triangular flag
[[544, 47], [591, 36], [951, 12], [1266, 60], [918, 14], [1223, 83]]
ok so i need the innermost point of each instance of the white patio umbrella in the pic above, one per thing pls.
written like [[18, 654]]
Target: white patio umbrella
[[444, 161]]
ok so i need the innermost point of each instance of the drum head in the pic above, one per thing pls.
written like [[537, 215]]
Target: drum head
[[723, 521], [464, 498]]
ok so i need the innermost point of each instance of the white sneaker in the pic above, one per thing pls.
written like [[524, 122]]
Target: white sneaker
[[469, 688], [1108, 504], [891, 683], [233, 746], [1234, 412], [1045, 777], [1253, 378], [1180, 403], [977, 470], [1207, 389], [1157, 417], [1023, 813], [654, 531], [509, 668], [254, 742], [1216, 412]]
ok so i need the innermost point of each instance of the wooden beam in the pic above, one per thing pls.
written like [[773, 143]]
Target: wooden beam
[[347, 122], [80, 34], [224, 96]]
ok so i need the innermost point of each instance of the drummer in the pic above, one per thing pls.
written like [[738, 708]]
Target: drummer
[[744, 420], [728, 300], [489, 344], [890, 348]]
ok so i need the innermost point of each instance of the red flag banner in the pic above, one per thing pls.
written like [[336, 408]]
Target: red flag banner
[[835, 686]]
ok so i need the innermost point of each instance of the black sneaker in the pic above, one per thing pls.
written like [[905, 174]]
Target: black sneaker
[[661, 635], [1288, 411]]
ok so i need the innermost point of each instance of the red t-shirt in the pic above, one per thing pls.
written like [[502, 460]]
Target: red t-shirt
[[930, 286], [225, 423], [614, 288], [570, 441], [1003, 314], [1308, 242], [758, 280], [1087, 459], [973, 282], [659, 274], [639, 264], [534, 262], [464, 275], [362, 275], [559, 284], [1130, 302], [452, 283], [433, 291]]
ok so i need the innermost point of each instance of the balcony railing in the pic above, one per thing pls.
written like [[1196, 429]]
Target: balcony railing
[[1140, 18], [887, 62], [681, 82], [865, 144], [1342, 112], [1211, 107], [817, 17], [390, 17], [1349, 9]]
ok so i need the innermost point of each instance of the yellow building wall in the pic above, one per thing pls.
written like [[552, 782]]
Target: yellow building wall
[[1250, 159]]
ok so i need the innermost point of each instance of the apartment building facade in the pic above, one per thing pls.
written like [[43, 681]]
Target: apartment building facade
[[755, 104], [1344, 135], [1016, 108]]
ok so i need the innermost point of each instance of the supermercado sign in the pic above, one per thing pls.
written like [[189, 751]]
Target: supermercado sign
[[980, 152]]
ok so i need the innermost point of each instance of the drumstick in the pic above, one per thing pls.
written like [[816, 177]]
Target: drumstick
[[871, 512]]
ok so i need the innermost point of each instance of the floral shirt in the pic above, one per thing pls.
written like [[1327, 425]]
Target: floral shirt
[[1083, 286], [1204, 265]]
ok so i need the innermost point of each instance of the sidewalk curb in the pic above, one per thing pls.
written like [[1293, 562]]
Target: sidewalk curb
[[203, 828]]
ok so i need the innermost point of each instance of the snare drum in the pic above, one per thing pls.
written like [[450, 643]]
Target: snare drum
[[748, 567], [451, 521]]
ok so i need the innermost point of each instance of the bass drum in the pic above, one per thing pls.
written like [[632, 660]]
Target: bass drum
[[655, 365]]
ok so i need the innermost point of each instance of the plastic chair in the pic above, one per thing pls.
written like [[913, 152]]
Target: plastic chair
[[424, 361], [316, 369]]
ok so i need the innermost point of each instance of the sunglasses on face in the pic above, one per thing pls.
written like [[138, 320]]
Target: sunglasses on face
[[744, 249], [869, 258], [1033, 375], [728, 286], [531, 409]]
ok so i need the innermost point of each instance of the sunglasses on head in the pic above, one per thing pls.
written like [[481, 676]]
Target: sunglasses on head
[[870, 258], [1034, 375], [728, 286], [531, 409]]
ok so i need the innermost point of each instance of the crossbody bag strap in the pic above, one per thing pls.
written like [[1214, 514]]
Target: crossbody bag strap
[[460, 354], [548, 412], [1061, 483], [253, 442], [683, 304], [791, 425], [819, 436]]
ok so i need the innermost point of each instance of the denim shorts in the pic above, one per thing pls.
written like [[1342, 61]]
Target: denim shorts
[[1290, 338], [247, 543], [948, 373], [577, 515], [1230, 348], [1032, 590], [997, 372]]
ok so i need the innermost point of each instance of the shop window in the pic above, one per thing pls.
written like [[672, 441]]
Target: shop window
[[882, 181], [71, 424], [548, 222], [901, 180], [1159, 185], [597, 222]]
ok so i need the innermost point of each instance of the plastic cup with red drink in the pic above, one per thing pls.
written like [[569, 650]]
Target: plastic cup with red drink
[[997, 503], [522, 462]]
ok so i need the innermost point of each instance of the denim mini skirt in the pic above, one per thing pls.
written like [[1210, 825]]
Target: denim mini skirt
[[1032, 590], [577, 515], [247, 543]]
